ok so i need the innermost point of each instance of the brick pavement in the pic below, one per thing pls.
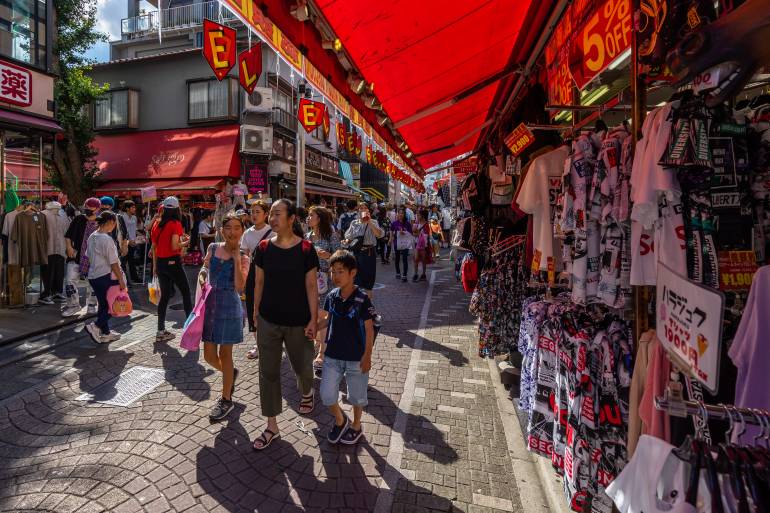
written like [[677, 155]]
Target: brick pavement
[[434, 435]]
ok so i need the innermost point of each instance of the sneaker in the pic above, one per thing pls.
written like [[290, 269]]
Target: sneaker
[[235, 378], [59, 298], [336, 432], [71, 311], [96, 333], [45, 300], [111, 337], [351, 436], [221, 409], [398, 276], [423, 278], [405, 279], [164, 336], [91, 309], [414, 278]]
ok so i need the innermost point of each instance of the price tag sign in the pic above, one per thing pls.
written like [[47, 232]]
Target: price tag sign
[[689, 324], [519, 139], [736, 269], [599, 41]]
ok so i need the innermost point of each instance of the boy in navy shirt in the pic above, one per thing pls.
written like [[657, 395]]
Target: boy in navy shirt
[[348, 313]]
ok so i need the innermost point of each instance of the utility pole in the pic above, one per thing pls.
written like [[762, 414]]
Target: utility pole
[[304, 91]]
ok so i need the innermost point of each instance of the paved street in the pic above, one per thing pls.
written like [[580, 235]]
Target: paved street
[[434, 427]]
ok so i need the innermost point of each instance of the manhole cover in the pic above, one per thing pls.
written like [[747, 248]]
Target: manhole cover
[[129, 386]]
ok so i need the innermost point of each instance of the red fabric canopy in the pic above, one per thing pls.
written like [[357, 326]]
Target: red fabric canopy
[[419, 54], [179, 187], [169, 154]]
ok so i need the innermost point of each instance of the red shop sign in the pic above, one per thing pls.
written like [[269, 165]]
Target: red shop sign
[[15, 85], [519, 139], [250, 67], [219, 47], [256, 178], [310, 114], [600, 40]]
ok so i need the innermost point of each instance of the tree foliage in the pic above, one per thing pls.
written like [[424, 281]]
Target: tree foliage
[[73, 169]]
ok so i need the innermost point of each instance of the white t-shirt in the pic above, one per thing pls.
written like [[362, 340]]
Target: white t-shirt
[[538, 195], [252, 237], [204, 228], [102, 253], [655, 481]]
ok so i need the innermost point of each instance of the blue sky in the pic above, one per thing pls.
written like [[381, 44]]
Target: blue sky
[[110, 12]]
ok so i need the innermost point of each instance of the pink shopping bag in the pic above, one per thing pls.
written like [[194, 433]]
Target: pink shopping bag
[[119, 301], [193, 326]]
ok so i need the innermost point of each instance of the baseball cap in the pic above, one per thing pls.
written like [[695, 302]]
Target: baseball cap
[[106, 200], [92, 204], [171, 202]]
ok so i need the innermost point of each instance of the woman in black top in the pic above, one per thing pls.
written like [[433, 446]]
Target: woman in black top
[[286, 302]]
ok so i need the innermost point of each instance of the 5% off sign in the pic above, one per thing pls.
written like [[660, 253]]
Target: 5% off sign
[[603, 38]]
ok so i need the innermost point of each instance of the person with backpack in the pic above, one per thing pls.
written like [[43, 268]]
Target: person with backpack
[[348, 315], [348, 217], [258, 232], [286, 314]]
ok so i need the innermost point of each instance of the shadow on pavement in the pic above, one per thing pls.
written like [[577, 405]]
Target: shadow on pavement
[[455, 356]]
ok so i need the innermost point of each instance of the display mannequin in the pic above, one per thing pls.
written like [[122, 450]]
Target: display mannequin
[[53, 273]]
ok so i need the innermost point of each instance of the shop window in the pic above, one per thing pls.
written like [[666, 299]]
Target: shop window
[[212, 100], [23, 31], [117, 109]]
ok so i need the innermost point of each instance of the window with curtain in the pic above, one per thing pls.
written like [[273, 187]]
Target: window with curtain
[[113, 110], [211, 100]]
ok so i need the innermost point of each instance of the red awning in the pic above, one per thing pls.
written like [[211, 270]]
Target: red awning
[[24, 121], [179, 187], [181, 154], [419, 54]]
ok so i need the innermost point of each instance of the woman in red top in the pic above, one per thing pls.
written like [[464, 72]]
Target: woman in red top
[[168, 241]]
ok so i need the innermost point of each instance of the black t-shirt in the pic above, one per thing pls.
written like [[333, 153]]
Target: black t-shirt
[[346, 335], [75, 233], [284, 298]]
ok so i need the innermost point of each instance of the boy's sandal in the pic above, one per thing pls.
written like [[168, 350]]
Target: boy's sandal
[[307, 404], [253, 353], [265, 440]]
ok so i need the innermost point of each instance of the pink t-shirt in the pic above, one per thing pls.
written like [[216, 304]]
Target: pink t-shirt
[[655, 422], [749, 352]]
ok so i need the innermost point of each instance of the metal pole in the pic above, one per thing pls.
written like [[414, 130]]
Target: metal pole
[[40, 172], [300, 167], [638, 111], [146, 242]]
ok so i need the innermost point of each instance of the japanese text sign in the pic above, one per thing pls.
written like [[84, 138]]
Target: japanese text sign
[[219, 47], [736, 269], [256, 178], [310, 114], [600, 40], [250, 67], [519, 139], [689, 324], [15, 85]]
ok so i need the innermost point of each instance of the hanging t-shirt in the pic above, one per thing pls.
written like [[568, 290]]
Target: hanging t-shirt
[[655, 481], [538, 196], [749, 352]]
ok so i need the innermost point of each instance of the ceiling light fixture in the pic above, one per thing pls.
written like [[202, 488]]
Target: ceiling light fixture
[[382, 119], [300, 10], [592, 97], [335, 45], [356, 83]]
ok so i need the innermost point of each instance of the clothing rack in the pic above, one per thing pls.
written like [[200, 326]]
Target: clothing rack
[[684, 408]]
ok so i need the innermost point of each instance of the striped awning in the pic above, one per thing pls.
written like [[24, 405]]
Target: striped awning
[[374, 193]]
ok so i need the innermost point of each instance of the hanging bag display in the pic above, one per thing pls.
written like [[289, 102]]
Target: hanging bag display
[[501, 194]]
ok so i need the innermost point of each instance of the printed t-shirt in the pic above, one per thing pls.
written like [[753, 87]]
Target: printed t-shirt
[[284, 297], [161, 238], [346, 335], [538, 195], [102, 253]]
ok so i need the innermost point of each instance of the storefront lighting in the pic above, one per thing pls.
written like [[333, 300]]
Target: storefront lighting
[[335, 45], [356, 83], [373, 103], [300, 10], [592, 97], [382, 119], [620, 60], [564, 115]]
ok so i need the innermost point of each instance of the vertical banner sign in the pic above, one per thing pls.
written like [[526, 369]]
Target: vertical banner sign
[[600, 40], [369, 154], [310, 114], [519, 139], [219, 47], [250, 67], [256, 178], [689, 324], [326, 124], [341, 136]]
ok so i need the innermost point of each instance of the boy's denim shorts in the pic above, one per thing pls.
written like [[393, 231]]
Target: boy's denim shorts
[[332, 374]]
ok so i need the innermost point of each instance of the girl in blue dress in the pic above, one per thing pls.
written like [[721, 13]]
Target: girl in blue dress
[[226, 269]]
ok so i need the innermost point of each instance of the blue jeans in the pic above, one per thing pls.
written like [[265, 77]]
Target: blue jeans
[[333, 372], [101, 285], [402, 255]]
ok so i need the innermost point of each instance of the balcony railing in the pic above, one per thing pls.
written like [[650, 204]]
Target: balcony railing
[[185, 16], [285, 119]]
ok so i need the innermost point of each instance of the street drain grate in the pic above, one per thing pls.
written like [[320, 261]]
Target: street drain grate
[[126, 388]]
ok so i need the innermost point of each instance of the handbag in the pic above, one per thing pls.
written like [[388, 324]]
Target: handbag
[[356, 244], [501, 194], [119, 301], [192, 332], [404, 240], [323, 283], [153, 289]]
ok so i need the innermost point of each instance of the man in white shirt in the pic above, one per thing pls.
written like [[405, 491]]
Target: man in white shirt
[[206, 231], [129, 218]]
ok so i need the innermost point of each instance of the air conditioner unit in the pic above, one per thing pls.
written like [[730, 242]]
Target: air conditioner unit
[[256, 139], [260, 100]]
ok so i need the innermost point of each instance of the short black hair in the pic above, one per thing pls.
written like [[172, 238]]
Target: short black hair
[[128, 204], [105, 217], [352, 204], [344, 257]]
